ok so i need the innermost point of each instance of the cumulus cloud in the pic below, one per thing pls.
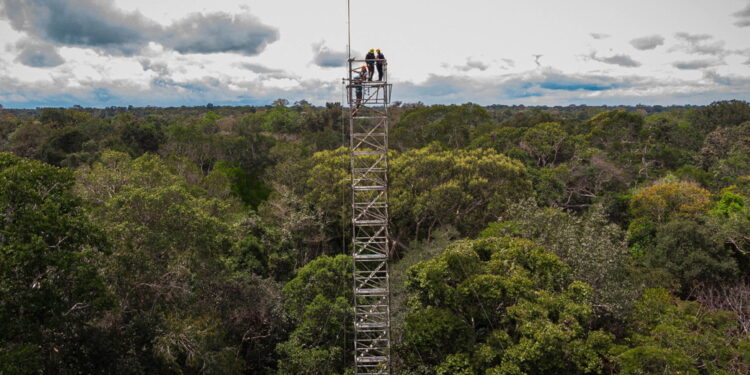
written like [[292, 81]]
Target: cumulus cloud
[[696, 64], [699, 44], [474, 64], [99, 24], [621, 60], [743, 17], [257, 68], [324, 57], [85, 23], [266, 72], [218, 32], [37, 54], [160, 68], [647, 42], [693, 38], [730, 81], [470, 64], [599, 36]]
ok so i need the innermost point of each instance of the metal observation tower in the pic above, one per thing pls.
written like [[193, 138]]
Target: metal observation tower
[[368, 140]]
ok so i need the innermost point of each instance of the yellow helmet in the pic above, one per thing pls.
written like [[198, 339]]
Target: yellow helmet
[[372, 50], [378, 50]]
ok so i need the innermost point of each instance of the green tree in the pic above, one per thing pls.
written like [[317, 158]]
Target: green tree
[[588, 176], [503, 139], [615, 131], [546, 143], [281, 119], [449, 126], [680, 245], [593, 248], [432, 187], [291, 229], [622, 136], [318, 305], [59, 117], [142, 137], [669, 336], [694, 252], [719, 114], [166, 268], [51, 293], [670, 141], [731, 214], [28, 140], [197, 141], [505, 303], [329, 185], [725, 154]]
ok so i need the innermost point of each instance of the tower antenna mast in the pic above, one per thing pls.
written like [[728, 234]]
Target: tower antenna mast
[[349, 29]]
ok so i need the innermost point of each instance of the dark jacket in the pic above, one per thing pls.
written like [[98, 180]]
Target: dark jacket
[[370, 56], [382, 57]]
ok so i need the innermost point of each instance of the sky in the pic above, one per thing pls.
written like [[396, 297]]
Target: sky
[[101, 53]]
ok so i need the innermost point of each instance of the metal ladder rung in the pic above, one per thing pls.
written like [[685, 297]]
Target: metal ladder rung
[[369, 222], [369, 170], [370, 256], [369, 188], [371, 292], [372, 359], [372, 325], [368, 135]]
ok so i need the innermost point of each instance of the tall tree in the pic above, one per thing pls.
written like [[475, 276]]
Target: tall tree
[[500, 306], [50, 290]]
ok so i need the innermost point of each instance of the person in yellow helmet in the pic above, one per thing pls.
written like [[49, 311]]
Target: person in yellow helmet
[[379, 64], [370, 58]]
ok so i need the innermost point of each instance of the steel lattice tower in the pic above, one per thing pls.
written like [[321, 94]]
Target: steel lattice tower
[[368, 139]]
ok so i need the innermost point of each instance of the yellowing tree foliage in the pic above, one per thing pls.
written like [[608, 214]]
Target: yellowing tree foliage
[[465, 188], [663, 200]]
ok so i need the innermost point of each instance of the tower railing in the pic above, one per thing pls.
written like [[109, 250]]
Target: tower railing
[[368, 140]]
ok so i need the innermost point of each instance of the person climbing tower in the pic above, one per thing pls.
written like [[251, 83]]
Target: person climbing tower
[[357, 81], [379, 64]]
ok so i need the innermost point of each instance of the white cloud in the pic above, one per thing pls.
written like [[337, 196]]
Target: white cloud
[[620, 59], [100, 25], [743, 17], [700, 44], [470, 64], [647, 42], [37, 54], [696, 64], [324, 57]]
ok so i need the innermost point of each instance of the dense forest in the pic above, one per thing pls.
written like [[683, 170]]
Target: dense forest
[[526, 240]]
